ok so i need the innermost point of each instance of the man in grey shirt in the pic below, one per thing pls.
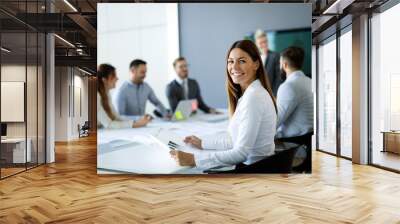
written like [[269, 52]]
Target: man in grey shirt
[[133, 94], [295, 104]]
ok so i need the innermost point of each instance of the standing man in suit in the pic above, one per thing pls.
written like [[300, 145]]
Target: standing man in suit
[[183, 88], [270, 60]]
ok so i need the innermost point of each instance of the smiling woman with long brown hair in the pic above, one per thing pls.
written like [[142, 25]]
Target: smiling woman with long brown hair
[[253, 115]]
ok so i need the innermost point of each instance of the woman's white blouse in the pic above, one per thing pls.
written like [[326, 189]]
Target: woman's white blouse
[[104, 121], [250, 135]]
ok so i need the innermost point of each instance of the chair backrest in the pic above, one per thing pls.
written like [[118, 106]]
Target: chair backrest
[[86, 125], [280, 162]]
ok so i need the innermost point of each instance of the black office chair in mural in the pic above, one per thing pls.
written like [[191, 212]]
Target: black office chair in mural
[[303, 158], [280, 162]]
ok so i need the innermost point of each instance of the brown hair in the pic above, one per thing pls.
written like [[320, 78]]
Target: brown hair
[[135, 63], [234, 90], [178, 59], [294, 56], [105, 71]]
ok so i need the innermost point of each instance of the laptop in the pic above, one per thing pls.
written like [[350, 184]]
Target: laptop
[[184, 110]]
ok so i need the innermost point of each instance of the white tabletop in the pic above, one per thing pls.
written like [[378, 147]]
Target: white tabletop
[[145, 150], [13, 140]]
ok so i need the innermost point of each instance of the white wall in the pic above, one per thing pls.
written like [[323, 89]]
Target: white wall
[[70, 83], [33, 126], [61, 103], [12, 73], [146, 31], [80, 103]]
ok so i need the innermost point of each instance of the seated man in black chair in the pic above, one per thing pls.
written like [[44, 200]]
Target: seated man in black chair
[[184, 88], [295, 104]]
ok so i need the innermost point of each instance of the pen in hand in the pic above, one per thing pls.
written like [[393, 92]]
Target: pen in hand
[[149, 117]]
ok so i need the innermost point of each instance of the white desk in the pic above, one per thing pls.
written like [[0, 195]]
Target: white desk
[[145, 150], [18, 150]]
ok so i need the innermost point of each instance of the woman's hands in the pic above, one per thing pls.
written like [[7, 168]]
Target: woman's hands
[[194, 141], [183, 158], [142, 121]]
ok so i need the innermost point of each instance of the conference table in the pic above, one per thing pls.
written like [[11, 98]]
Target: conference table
[[145, 150]]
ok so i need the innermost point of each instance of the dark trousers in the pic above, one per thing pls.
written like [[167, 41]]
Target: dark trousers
[[302, 140]]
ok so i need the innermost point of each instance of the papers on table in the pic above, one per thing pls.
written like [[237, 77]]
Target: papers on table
[[116, 145], [212, 118], [145, 150], [137, 158]]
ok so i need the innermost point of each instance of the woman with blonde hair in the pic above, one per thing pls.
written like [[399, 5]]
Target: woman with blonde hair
[[107, 117], [253, 115]]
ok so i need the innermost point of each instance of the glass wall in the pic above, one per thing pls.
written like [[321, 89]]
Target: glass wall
[[13, 147], [334, 62], [22, 93], [385, 89], [327, 95], [13, 87], [346, 95]]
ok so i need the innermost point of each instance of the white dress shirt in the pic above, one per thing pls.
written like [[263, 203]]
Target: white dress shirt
[[251, 132], [295, 106], [104, 121], [264, 58], [184, 84]]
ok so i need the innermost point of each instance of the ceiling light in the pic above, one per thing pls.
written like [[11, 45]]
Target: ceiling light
[[330, 8], [64, 40], [84, 71], [70, 5], [337, 7], [5, 50]]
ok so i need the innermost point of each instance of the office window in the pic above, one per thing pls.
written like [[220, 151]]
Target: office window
[[346, 93], [385, 89], [327, 96]]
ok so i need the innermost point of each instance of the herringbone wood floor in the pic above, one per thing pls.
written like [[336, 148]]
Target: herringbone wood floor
[[70, 191]]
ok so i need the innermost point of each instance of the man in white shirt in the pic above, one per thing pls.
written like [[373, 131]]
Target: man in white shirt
[[295, 101], [184, 88]]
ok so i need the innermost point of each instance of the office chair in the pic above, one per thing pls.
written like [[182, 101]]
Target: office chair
[[280, 162], [84, 130], [306, 140]]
